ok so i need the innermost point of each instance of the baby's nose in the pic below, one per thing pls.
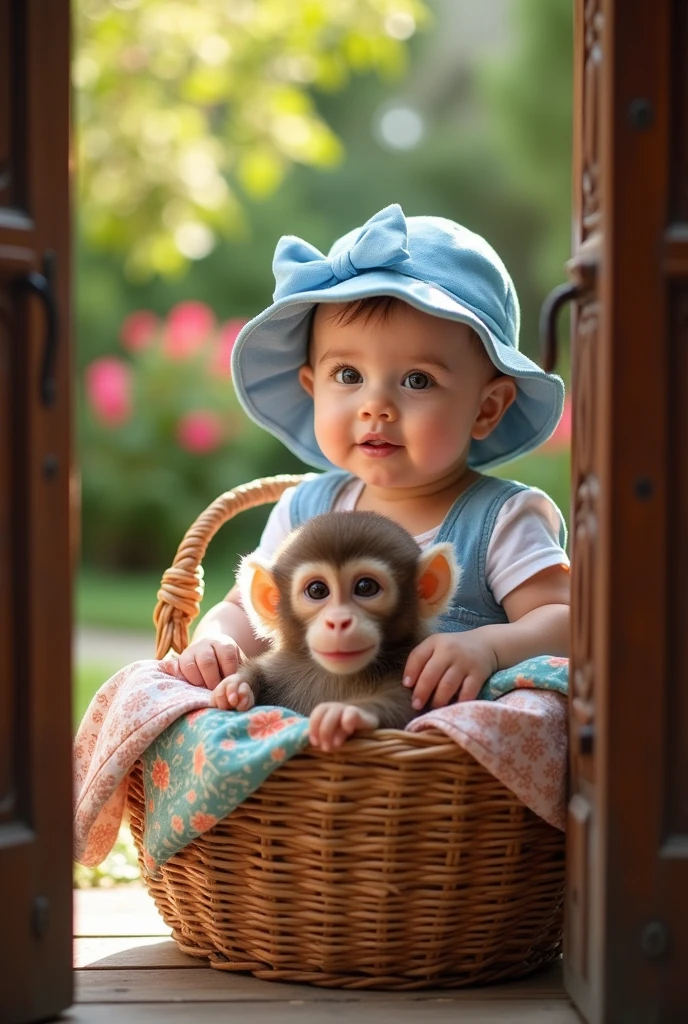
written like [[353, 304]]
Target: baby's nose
[[378, 407]]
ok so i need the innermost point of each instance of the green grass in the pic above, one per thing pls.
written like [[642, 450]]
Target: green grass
[[88, 676], [126, 601]]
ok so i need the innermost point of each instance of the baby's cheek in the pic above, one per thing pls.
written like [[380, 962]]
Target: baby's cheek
[[331, 432]]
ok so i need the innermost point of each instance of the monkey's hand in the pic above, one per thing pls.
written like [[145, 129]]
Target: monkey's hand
[[205, 662], [233, 694], [332, 722]]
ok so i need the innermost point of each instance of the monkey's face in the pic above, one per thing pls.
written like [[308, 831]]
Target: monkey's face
[[345, 588], [342, 610]]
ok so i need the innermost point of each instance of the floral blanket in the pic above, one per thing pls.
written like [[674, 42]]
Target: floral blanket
[[200, 763]]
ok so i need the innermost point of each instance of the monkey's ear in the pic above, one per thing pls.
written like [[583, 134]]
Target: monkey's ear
[[259, 594], [438, 578]]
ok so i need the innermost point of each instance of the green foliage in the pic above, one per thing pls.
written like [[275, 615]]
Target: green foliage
[[162, 435], [185, 104], [531, 99]]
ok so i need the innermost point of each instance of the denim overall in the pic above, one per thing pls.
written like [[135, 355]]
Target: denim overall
[[467, 527]]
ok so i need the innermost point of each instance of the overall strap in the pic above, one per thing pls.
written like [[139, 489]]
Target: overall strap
[[468, 527], [313, 497]]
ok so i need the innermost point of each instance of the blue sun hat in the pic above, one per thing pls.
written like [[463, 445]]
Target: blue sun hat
[[436, 266]]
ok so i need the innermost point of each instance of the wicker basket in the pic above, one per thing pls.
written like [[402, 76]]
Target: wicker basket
[[397, 862]]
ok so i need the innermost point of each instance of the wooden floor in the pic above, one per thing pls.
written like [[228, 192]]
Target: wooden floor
[[128, 971]]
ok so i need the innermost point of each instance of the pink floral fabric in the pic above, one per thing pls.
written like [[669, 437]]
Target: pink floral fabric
[[126, 715]]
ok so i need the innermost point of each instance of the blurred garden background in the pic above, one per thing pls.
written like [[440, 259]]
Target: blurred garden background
[[205, 129]]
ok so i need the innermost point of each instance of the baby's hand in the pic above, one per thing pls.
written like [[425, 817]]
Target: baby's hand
[[205, 662], [332, 722], [449, 665], [233, 694]]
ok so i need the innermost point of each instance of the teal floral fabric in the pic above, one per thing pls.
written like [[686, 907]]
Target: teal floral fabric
[[542, 673], [204, 764]]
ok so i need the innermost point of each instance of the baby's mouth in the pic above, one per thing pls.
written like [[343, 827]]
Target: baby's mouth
[[377, 447], [376, 441]]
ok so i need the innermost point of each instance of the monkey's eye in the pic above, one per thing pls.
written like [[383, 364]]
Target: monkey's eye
[[366, 587], [317, 590]]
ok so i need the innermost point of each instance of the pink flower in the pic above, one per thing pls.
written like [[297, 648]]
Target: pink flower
[[177, 823], [138, 330], [199, 758], [264, 724], [200, 822], [224, 344], [188, 325], [161, 773], [108, 388], [199, 432], [524, 682], [561, 438]]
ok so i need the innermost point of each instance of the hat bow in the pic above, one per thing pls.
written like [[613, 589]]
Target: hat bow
[[300, 267]]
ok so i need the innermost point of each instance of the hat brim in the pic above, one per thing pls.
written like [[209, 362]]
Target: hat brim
[[272, 347]]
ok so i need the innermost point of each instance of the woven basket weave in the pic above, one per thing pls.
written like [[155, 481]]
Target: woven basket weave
[[397, 862]]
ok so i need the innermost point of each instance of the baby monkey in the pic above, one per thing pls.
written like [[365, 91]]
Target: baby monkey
[[345, 600]]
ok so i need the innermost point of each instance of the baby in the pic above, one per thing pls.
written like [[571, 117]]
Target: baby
[[395, 359]]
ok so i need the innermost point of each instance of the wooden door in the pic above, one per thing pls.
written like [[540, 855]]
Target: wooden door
[[35, 670], [626, 950]]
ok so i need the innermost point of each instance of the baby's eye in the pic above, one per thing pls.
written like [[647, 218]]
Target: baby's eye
[[366, 587], [418, 381], [317, 590], [347, 375]]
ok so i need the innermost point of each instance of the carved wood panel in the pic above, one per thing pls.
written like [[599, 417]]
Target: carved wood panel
[[589, 153], [586, 484], [676, 837], [586, 492]]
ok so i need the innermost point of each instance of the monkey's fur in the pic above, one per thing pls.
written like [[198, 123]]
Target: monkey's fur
[[288, 675]]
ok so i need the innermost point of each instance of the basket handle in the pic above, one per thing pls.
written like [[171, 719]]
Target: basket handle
[[181, 589]]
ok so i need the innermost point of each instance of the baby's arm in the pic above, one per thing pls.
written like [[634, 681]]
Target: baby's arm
[[449, 665], [538, 613], [222, 637]]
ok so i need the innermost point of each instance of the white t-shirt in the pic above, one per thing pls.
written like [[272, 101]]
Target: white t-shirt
[[524, 541]]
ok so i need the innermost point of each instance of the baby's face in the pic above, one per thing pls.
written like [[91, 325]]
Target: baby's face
[[397, 398]]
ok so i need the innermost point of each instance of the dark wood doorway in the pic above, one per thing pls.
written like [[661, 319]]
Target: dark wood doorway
[[35, 604], [626, 953]]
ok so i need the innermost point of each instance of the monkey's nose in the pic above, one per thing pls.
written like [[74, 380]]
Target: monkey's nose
[[339, 625]]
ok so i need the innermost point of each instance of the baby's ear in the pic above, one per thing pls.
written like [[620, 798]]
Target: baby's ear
[[307, 378], [259, 594], [438, 578]]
